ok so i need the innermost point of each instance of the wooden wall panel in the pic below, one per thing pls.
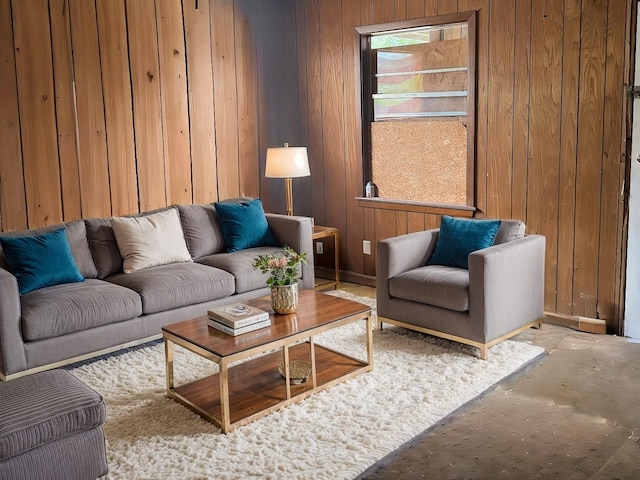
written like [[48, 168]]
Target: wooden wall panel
[[13, 207], [415, 9], [34, 72], [305, 184], [431, 8], [92, 141], [201, 105], [590, 144], [147, 109], [175, 116], [225, 98], [500, 112], [65, 108], [449, 6], [118, 109]]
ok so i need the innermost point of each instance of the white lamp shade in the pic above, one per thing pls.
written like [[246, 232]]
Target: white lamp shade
[[287, 162]]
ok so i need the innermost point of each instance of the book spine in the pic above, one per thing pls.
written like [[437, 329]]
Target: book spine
[[237, 331], [240, 323]]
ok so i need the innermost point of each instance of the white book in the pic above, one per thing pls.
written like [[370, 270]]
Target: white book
[[237, 315], [238, 331]]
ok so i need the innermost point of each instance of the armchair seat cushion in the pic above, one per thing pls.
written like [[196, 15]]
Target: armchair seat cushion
[[437, 285]]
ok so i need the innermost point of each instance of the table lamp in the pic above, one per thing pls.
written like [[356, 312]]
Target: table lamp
[[287, 162]]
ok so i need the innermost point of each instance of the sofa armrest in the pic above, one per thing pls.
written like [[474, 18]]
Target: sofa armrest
[[295, 232], [12, 355], [506, 285]]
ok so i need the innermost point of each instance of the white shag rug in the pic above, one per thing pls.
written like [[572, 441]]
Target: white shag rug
[[335, 434]]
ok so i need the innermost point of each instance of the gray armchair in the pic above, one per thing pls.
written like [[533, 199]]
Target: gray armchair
[[501, 294]]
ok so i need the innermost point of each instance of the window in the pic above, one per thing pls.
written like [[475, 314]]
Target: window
[[419, 108]]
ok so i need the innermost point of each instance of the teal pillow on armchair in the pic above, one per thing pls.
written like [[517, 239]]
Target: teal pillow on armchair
[[40, 261], [244, 225], [459, 237]]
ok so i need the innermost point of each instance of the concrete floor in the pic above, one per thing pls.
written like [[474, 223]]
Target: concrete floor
[[572, 414]]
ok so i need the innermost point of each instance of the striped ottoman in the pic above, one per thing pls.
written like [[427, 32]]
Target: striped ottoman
[[51, 427]]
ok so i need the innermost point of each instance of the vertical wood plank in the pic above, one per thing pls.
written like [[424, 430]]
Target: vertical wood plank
[[401, 10], [65, 108], [432, 221], [173, 89], [353, 135], [13, 207], [382, 11], [201, 105], [567, 163], [369, 234], [431, 8], [415, 9], [92, 141], [147, 113], [500, 111], [333, 115], [544, 144], [365, 12], [415, 222], [449, 6], [402, 226], [522, 70], [385, 227], [247, 77], [482, 98], [315, 103], [118, 109], [590, 142], [611, 163], [225, 98], [34, 72]]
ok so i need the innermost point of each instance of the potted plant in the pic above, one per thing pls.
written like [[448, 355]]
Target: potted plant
[[283, 269]]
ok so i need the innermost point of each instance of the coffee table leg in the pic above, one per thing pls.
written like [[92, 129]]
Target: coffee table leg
[[312, 355], [370, 340], [224, 396], [287, 371], [168, 364]]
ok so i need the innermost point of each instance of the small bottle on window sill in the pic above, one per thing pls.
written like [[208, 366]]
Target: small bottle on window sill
[[370, 190]]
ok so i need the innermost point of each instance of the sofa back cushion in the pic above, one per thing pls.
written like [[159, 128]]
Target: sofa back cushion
[[77, 238], [201, 230], [509, 230]]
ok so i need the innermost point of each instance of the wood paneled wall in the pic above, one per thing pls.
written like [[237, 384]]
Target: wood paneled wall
[[550, 132], [110, 107]]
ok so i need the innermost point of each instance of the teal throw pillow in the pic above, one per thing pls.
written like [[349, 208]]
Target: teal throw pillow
[[244, 225], [459, 237], [41, 260]]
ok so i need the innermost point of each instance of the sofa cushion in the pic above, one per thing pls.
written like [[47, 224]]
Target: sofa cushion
[[45, 407], [176, 285], [41, 260], [244, 225], [459, 237], [239, 265], [509, 230], [438, 285], [77, 237], [62, 309], [201, 230], [150, 240]]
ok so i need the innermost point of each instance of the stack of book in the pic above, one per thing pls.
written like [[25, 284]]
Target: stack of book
[[237, 319]]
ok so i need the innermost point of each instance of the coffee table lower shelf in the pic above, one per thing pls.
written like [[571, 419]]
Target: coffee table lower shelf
[[256, 388]]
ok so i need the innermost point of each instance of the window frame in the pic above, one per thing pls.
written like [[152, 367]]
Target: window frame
[[367, 105]]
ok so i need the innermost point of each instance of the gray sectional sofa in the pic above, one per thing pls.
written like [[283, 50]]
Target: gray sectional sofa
[[110, 309]]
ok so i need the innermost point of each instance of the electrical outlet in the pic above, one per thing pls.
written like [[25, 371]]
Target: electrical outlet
[[319, 248], [366, 247]]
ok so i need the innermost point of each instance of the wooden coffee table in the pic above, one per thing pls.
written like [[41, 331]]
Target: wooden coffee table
[[248, 390]]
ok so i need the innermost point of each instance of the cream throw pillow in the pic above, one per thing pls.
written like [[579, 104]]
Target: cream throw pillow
[[149, 241]]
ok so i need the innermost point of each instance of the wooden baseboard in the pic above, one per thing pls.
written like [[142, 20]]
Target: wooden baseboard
[[583, 324], [358, 278]]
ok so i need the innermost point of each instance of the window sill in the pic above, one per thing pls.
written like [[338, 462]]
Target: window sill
[[418, 207]]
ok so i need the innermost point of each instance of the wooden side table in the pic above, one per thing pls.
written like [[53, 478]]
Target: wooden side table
[[326, 232]]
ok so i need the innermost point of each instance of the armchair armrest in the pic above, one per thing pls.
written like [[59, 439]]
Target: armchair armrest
[[297, 233], [12, 355], [506, 285]]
